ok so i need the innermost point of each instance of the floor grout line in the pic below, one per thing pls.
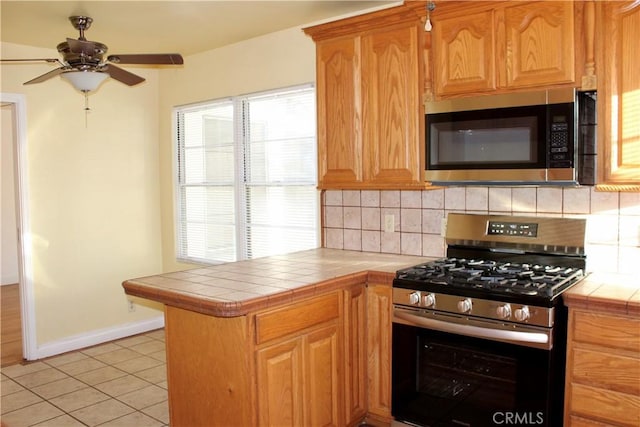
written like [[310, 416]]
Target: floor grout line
[[138, 383]]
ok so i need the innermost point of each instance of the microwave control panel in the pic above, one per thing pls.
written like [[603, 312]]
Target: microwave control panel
[[560, 147]]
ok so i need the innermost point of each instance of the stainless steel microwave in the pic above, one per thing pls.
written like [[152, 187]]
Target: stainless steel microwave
[[530, 138]]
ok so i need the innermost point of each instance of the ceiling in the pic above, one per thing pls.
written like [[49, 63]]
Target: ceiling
[[185, 27]]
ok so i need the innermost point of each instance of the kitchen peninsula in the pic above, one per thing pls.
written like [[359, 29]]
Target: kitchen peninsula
[[296, 339], [304, 339]]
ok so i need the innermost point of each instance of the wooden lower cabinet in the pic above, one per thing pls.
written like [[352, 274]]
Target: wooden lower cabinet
[[355, 367], [379, 312], [323, 384], [209, 370], [603, 370], [301, 364], [298, 380], [581, 422], [280, 387], [298, 356]]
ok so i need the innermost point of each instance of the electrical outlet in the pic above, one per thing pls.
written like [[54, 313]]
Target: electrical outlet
[[389, 223], [131, 305]]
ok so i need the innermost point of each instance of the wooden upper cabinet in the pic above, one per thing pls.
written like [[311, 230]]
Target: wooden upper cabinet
[[501, 46], [370, 109], [464, 57], [539, 43], [391, 105], [339, 131], [617, 68]]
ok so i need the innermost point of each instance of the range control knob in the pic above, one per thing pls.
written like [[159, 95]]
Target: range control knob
[[522, 314], [504, 311], [414, 298], [429, 300], [464, 306]]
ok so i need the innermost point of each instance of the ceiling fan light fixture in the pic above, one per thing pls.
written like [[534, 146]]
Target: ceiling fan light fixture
[[85, 81]]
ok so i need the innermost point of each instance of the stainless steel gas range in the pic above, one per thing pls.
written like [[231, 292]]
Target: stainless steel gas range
[[479, 337]]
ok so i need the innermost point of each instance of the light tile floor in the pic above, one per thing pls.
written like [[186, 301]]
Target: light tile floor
[[122, 383]]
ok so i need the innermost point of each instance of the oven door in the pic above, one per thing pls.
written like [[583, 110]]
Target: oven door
[[449, 379]]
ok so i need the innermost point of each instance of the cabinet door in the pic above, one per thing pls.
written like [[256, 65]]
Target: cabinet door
[[299, 379], [354, 360], [606, 370], [392, 111], [464, 57], [322, 400], [379, 299], [603, 369], [617, 68], [539, 43], [280, 387], [339, 115]]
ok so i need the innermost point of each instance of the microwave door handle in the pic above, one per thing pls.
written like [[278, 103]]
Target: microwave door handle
[[474, 331]]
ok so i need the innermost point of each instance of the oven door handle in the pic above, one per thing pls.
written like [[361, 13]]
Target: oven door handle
[[473, 331]]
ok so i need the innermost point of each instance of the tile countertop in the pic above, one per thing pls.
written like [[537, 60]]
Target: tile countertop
[[234, 289], [615, 293]]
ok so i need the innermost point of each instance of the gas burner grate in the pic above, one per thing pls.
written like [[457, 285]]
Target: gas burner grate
[[496, 277]]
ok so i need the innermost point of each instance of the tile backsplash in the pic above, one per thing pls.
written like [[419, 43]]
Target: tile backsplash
[[362, 220]]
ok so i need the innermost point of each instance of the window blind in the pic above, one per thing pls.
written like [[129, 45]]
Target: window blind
[[247, 176]]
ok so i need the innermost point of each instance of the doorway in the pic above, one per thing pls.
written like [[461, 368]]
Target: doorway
[[11, 325], [17, 296]]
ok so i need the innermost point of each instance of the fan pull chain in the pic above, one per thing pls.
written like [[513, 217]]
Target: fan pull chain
[[87, 110]]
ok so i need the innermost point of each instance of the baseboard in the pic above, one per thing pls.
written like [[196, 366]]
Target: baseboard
[[100, 336]]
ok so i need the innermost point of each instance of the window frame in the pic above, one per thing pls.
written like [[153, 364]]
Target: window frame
[[240, 185]]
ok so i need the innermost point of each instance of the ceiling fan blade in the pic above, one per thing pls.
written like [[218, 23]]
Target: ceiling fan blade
[[123, 75], [31, 60], [81, 47], [46, 76], [148, 58]]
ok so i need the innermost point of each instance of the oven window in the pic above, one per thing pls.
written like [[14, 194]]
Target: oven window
[[444, 379]]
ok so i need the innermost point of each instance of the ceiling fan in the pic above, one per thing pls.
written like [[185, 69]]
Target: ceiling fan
[[85, 66]]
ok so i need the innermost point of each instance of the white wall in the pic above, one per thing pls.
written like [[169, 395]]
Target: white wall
[[94, 197], [101, 193], [9, 251], [280, 59]]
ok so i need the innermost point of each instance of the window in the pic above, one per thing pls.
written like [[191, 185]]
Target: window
[[246, 176]]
